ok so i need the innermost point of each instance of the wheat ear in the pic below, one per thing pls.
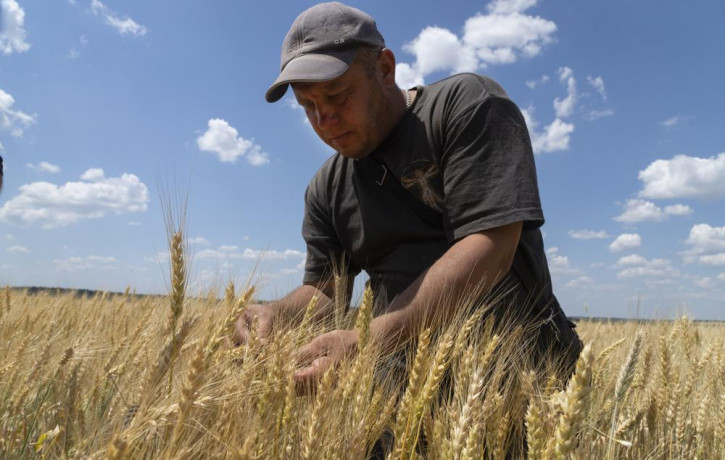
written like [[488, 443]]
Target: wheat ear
[[575, 404]]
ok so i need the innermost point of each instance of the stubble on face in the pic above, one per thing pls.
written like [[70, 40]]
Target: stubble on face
[[364, 120]]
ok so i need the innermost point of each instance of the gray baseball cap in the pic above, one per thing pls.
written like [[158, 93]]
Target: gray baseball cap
[[321, 45]]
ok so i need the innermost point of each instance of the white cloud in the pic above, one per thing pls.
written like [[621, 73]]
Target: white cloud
[[588, 234], [50, 205], [19, 249], [631, 260], [224, 140], [708, 245], [198, 240], [534, 83], [597, 114], [678, 210], [75, 264], [125, 26], [705, 282], [580, 282], [565, 107], [671, 122], [626, 241], [406, 76], [439, 49], [273, 255], [44, 166], [11, 120], [721, 277], [636, 210], [553, 138], [12, 28], [598, 84], [499, 37], [231, 252], [705, 238], [638, 266], [685, 177], [558, 264]]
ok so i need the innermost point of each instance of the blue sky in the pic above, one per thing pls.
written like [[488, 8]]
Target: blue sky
[[106, 107]]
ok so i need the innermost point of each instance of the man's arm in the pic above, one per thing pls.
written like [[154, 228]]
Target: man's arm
[[476, 262]]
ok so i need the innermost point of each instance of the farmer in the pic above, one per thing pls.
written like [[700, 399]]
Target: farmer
[[432, 192]]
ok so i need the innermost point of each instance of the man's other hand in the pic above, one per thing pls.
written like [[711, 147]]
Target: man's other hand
[[263, 315], [324, 351]]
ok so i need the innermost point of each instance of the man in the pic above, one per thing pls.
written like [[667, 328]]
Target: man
[[432, 192]]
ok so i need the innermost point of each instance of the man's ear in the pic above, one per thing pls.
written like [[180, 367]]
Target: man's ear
[[386, 64]]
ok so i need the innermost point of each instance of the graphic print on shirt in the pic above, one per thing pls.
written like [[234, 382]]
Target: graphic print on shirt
[[423, 179]]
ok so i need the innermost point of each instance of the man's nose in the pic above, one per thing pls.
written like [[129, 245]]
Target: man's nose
[[326, 115]]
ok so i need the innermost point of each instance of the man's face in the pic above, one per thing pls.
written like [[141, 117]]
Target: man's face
[[349, 113]]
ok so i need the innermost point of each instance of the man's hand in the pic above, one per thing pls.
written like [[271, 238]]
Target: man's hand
[[263, 315], [323, 352]]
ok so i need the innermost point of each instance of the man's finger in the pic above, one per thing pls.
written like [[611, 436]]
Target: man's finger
[[307, 353], [310, 374]]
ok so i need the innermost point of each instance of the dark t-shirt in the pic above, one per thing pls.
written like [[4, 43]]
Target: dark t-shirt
[[459, 162]]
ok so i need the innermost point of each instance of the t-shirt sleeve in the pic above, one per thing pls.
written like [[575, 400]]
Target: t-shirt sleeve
[[324, 251], [489, 175]]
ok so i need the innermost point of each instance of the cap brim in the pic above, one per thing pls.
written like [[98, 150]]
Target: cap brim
[[311, 68]]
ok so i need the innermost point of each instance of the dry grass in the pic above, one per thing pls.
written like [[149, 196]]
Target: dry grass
[[129, 377]]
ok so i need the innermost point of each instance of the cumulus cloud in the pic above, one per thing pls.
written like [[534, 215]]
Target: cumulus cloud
[[705, 282], [558, 264], [708, 245], [75, 264], [637, 210], [580, 282], [224, 140], [501, 36], [198, 240], [11, 120], [50, 205], [554, 137], [565, 107], [598, 84], [232, 252], [626, 241], [12, 28], [19, 249], [684, 177], [588, 234], [44, 166], [124, 26], [637, 266]]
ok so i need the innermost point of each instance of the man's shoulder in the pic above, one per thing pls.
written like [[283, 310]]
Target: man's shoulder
[[467, 85]]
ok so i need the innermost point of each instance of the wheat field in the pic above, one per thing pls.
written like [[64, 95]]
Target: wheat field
[[127, 376]]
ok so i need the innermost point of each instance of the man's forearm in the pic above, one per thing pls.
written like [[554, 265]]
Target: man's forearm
[[471, 266], [293, 305]]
